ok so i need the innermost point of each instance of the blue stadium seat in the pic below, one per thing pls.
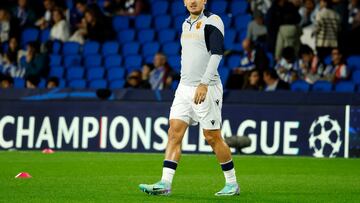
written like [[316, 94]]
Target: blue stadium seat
[[130, 48], [178, 8], [162, 22], [171, 48], [149, 59], [56, 47], [322, 86], [117, 84], [230, 36], [110, 48], [345, 86], [174, 62], [226, 20], [167, 35], [55, 60], [224, 75], [93, 60], [90, 47], [178, 22], [242, 21], [146, 35], [19, 83], [70, 48], [143, 21], [77, 84], [120, 23], [72, 60], [74, 73], [159, 8], [98, 84], [116, 73], [134, 61], [95, 73], [62, 83], [233, 61], [29, 35], [238, 7], [354, 62], [112, 60], [218, 7], [300, 86], [56, 71], [327, 60], [42, 83], [356, 77], [150, 48], [126, 36], [45, 35], [271, 58]]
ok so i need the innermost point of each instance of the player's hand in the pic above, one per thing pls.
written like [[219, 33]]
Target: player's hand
[[200, 93]]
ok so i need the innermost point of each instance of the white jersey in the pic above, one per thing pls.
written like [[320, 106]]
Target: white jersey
[[202, 49]]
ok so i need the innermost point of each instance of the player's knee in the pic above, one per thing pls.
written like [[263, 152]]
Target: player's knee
[[174, 136], [211, 139]]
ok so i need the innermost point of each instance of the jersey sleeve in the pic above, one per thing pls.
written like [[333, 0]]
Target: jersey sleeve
[[214, 35], [214, 38]]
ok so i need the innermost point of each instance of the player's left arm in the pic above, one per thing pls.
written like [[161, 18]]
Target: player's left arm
[[214, 38]]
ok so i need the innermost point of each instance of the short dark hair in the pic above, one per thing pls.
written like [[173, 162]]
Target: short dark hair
[[288, 53], [271, 72], [35, 80], [7, 78], [305, 49], [54, 80]]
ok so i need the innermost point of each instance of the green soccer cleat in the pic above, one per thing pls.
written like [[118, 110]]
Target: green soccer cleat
[[229, 190], [159, 188]]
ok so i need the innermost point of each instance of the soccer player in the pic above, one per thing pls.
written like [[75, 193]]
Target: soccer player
[[198, 97]]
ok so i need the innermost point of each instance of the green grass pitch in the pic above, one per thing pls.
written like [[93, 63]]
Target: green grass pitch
[[114, 177]]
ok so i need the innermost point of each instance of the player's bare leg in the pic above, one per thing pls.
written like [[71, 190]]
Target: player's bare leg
[[176, 134], [172, 157], [223, 154]]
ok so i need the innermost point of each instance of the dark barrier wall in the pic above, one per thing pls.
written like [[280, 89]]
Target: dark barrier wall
[[317, 130]]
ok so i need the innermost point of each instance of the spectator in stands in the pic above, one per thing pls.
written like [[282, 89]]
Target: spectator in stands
[[309, 65], [134, 80], [261, 6], [273, 82], [9, 67], [327, 29], [285, 67], [4, 25], [13, 50], [161, 77], [254, 81], [23, 14], [145, 73], [250, 59], [308, 13], [77, 14], [35, 62], [125, 7], [256, 30], [46, 19], [352, 38], [60, 30], [337, 70], [52, 82], [32, 82], [281, 12], [354, 8], [92, 23], [289, 32], [6, 81]]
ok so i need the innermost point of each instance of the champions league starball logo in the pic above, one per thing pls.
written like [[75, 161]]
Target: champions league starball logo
[[325, 139]]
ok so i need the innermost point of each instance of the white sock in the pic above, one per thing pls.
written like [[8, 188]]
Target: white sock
[[230, 176], [167, 175]]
